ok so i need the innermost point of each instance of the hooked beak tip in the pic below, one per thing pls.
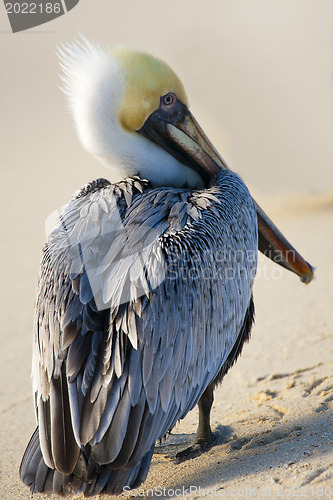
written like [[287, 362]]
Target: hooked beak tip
[[308, 277]]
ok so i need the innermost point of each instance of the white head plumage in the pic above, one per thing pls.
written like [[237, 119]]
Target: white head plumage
[[111, 92]]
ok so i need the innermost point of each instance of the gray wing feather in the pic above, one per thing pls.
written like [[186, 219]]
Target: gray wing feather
[[136, 313]]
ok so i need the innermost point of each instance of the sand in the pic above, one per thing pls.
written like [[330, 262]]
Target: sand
[[259, 77]]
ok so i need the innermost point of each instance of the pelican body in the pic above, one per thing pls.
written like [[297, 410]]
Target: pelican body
[[145, 292]]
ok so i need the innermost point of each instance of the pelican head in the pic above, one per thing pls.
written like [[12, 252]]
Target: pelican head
[[111, 94], [131, 112]]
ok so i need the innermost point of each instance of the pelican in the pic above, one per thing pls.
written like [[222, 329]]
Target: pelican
[[144, 298]]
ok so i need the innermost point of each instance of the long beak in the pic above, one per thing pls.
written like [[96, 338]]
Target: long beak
[[181, 135]]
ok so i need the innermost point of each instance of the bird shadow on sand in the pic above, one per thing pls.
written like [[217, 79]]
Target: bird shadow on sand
[[286, 444], [173, 444]]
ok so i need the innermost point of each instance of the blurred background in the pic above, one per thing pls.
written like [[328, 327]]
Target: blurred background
[[259, 77]]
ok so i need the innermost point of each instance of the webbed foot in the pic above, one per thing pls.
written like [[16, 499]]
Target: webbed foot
[[199, 446]]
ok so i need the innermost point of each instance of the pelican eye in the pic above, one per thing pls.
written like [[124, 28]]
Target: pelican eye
[[168, 100]]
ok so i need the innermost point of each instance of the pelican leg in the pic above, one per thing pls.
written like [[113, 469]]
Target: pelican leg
[[204, 433], [204, 436]]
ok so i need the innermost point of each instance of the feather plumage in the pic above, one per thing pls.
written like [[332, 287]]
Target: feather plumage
[[131, 366]]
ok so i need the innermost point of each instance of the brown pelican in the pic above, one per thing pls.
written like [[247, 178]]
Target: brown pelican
[[145, 291]]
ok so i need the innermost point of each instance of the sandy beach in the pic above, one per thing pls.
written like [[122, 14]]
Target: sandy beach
[[259, 80]]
